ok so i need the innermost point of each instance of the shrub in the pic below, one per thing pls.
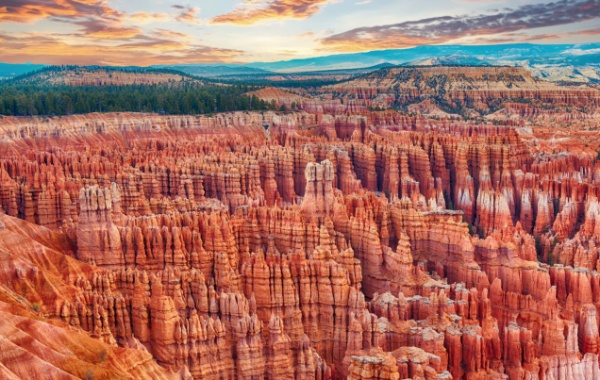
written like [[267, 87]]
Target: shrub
[[538, 248], [471, 229], [102, 356]]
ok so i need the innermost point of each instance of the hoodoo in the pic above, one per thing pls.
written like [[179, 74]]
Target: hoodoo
[[345, 243]]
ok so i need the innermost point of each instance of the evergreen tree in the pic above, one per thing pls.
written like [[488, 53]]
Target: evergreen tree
[[20, 99]]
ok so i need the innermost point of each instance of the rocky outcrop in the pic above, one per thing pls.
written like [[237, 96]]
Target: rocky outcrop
[[461, 90], [33, 348], [98, 238], [373, 365], [318, 196]]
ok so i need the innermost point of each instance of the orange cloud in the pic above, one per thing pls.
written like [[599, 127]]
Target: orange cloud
[[367, 41], [24, 11], [107, 29], [103, 35], [95, 19], [145, 17], [511, 38], [451, 28], [145, 51], [164, 33], [252, 11], [586, 32], [187, 14]]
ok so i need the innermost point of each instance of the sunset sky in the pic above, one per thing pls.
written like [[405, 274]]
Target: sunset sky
[[145, 32]]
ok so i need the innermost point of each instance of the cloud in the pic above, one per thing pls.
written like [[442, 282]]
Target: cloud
[[187, 14], [94, 19], [505, 38], [25, 11], [448, 28], [309, 35], [147, 17], [102, 35], [586, 32], [144, 50], [106, 29], [164, 33], [254, 11]]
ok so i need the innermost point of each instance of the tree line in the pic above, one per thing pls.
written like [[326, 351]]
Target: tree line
[[19, 99]]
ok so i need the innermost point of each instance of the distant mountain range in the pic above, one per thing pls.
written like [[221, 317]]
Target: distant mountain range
[[565, 62], [508, 54], [9, 70], [211, 71]]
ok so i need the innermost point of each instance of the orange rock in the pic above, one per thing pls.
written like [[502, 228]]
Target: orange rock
[[339, 242]]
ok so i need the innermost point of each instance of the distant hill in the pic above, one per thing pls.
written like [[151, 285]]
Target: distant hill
[[10, 70], [103, 76], [209, 71], [242, 72], [342, 71]]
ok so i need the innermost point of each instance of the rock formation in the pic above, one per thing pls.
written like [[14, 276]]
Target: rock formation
[[340, 243]]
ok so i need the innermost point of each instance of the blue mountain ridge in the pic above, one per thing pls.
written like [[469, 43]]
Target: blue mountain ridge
[[566, 55]]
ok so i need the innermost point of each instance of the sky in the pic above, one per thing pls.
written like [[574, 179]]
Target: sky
[[150, 32]]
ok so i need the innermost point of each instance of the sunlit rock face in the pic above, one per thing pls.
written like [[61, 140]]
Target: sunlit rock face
[[335, 243]]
